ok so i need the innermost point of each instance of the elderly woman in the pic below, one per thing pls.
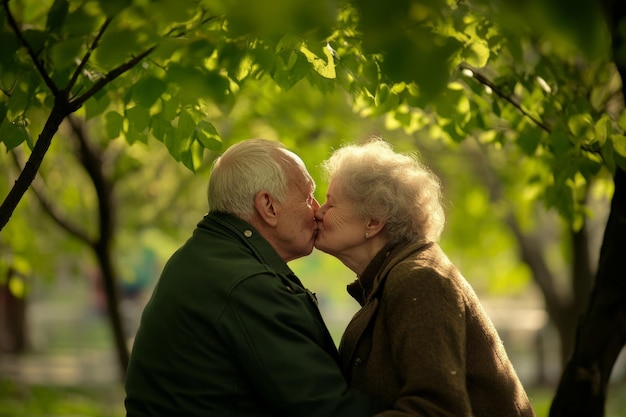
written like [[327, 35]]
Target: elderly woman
[[421, 340]]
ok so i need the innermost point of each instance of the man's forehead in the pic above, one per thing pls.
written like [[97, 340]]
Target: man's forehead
[[297, 169]]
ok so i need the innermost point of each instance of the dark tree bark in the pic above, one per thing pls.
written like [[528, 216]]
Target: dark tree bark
[[13, 324], [601, 331], [91, 159]]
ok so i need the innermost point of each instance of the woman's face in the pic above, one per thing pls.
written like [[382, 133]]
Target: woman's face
[[341, 233]]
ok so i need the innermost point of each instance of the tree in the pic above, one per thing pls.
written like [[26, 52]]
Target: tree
[[535, 76]]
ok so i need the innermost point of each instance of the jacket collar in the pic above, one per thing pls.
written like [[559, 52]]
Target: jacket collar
[[250, 237], [371, 282]]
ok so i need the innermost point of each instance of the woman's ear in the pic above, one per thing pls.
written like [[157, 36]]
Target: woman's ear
[[373, 227], [265, 206]]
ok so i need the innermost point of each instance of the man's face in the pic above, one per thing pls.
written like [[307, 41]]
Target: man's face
[[297, 228]]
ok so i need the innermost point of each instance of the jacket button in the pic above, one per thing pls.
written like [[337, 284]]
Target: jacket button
[[358, 362]]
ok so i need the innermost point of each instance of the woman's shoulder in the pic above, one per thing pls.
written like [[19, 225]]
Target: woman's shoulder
[[427, 268]]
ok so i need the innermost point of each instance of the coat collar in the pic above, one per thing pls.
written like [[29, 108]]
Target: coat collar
[[367, 290], [251, 238], [370, 283]]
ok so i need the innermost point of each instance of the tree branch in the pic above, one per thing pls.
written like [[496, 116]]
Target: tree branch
[[42, 71], [485, 81], [85, 59], [110, 76], [50, 209]]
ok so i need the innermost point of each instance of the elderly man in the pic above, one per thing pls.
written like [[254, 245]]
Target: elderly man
[[230, 330]]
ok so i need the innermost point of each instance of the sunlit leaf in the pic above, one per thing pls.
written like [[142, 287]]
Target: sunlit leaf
[[619, 144], [207, 136], [192, 156], [477, 54], [324, 67]]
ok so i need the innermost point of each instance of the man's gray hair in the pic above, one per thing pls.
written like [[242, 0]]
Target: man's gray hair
[[245, 169]]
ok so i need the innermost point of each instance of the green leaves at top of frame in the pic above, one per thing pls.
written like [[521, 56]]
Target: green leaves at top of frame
[[272, 19]]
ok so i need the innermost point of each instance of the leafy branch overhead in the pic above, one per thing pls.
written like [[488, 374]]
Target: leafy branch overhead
[[170, 70]]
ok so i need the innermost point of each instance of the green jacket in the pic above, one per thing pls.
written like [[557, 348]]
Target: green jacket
[[231, 331], [423, 342]]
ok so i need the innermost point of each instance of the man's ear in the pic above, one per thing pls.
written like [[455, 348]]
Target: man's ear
[[265, 206], [373, 227]]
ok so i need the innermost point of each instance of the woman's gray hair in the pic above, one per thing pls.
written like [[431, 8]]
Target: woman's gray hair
[[389, 186], [242, 171]]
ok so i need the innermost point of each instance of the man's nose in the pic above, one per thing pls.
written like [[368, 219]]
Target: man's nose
[[319, 213], [316, 204]]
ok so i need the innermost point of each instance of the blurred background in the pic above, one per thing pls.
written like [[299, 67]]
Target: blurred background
[[518, 109]]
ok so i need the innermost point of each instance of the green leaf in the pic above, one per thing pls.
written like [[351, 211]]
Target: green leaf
[[13, 134], [528, 140], [79, 23], [19, 101], [148, 90], [477, 54], [36, 38], [207, 136], [161, 127], [138, 117], [290, 68], [192, 83], [621, 120], [603, 129], [608, 155], [170, 107], [65, 53], [134, 135], [192, 156], [116, 47], [56, 15], [186, 125], [324, 67], [96, 105], [581, 126], [9, 46], [113, 124], [114, 7], [619, 144]]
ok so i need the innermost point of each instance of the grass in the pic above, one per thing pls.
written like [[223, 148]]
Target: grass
[[19, 400]]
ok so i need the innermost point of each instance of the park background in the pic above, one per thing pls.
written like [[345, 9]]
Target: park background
[[521, 117]]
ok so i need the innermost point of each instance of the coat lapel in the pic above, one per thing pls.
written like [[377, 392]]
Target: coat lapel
[[353, 334]]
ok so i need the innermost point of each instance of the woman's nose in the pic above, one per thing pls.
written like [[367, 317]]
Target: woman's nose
[[319, 213]]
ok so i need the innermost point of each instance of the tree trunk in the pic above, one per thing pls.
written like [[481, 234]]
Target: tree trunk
[[29, 172], [109, 279], [13, 334], [91, 159], [602, 330]]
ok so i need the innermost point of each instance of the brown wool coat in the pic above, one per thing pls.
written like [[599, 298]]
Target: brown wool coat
[[423, 343]]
